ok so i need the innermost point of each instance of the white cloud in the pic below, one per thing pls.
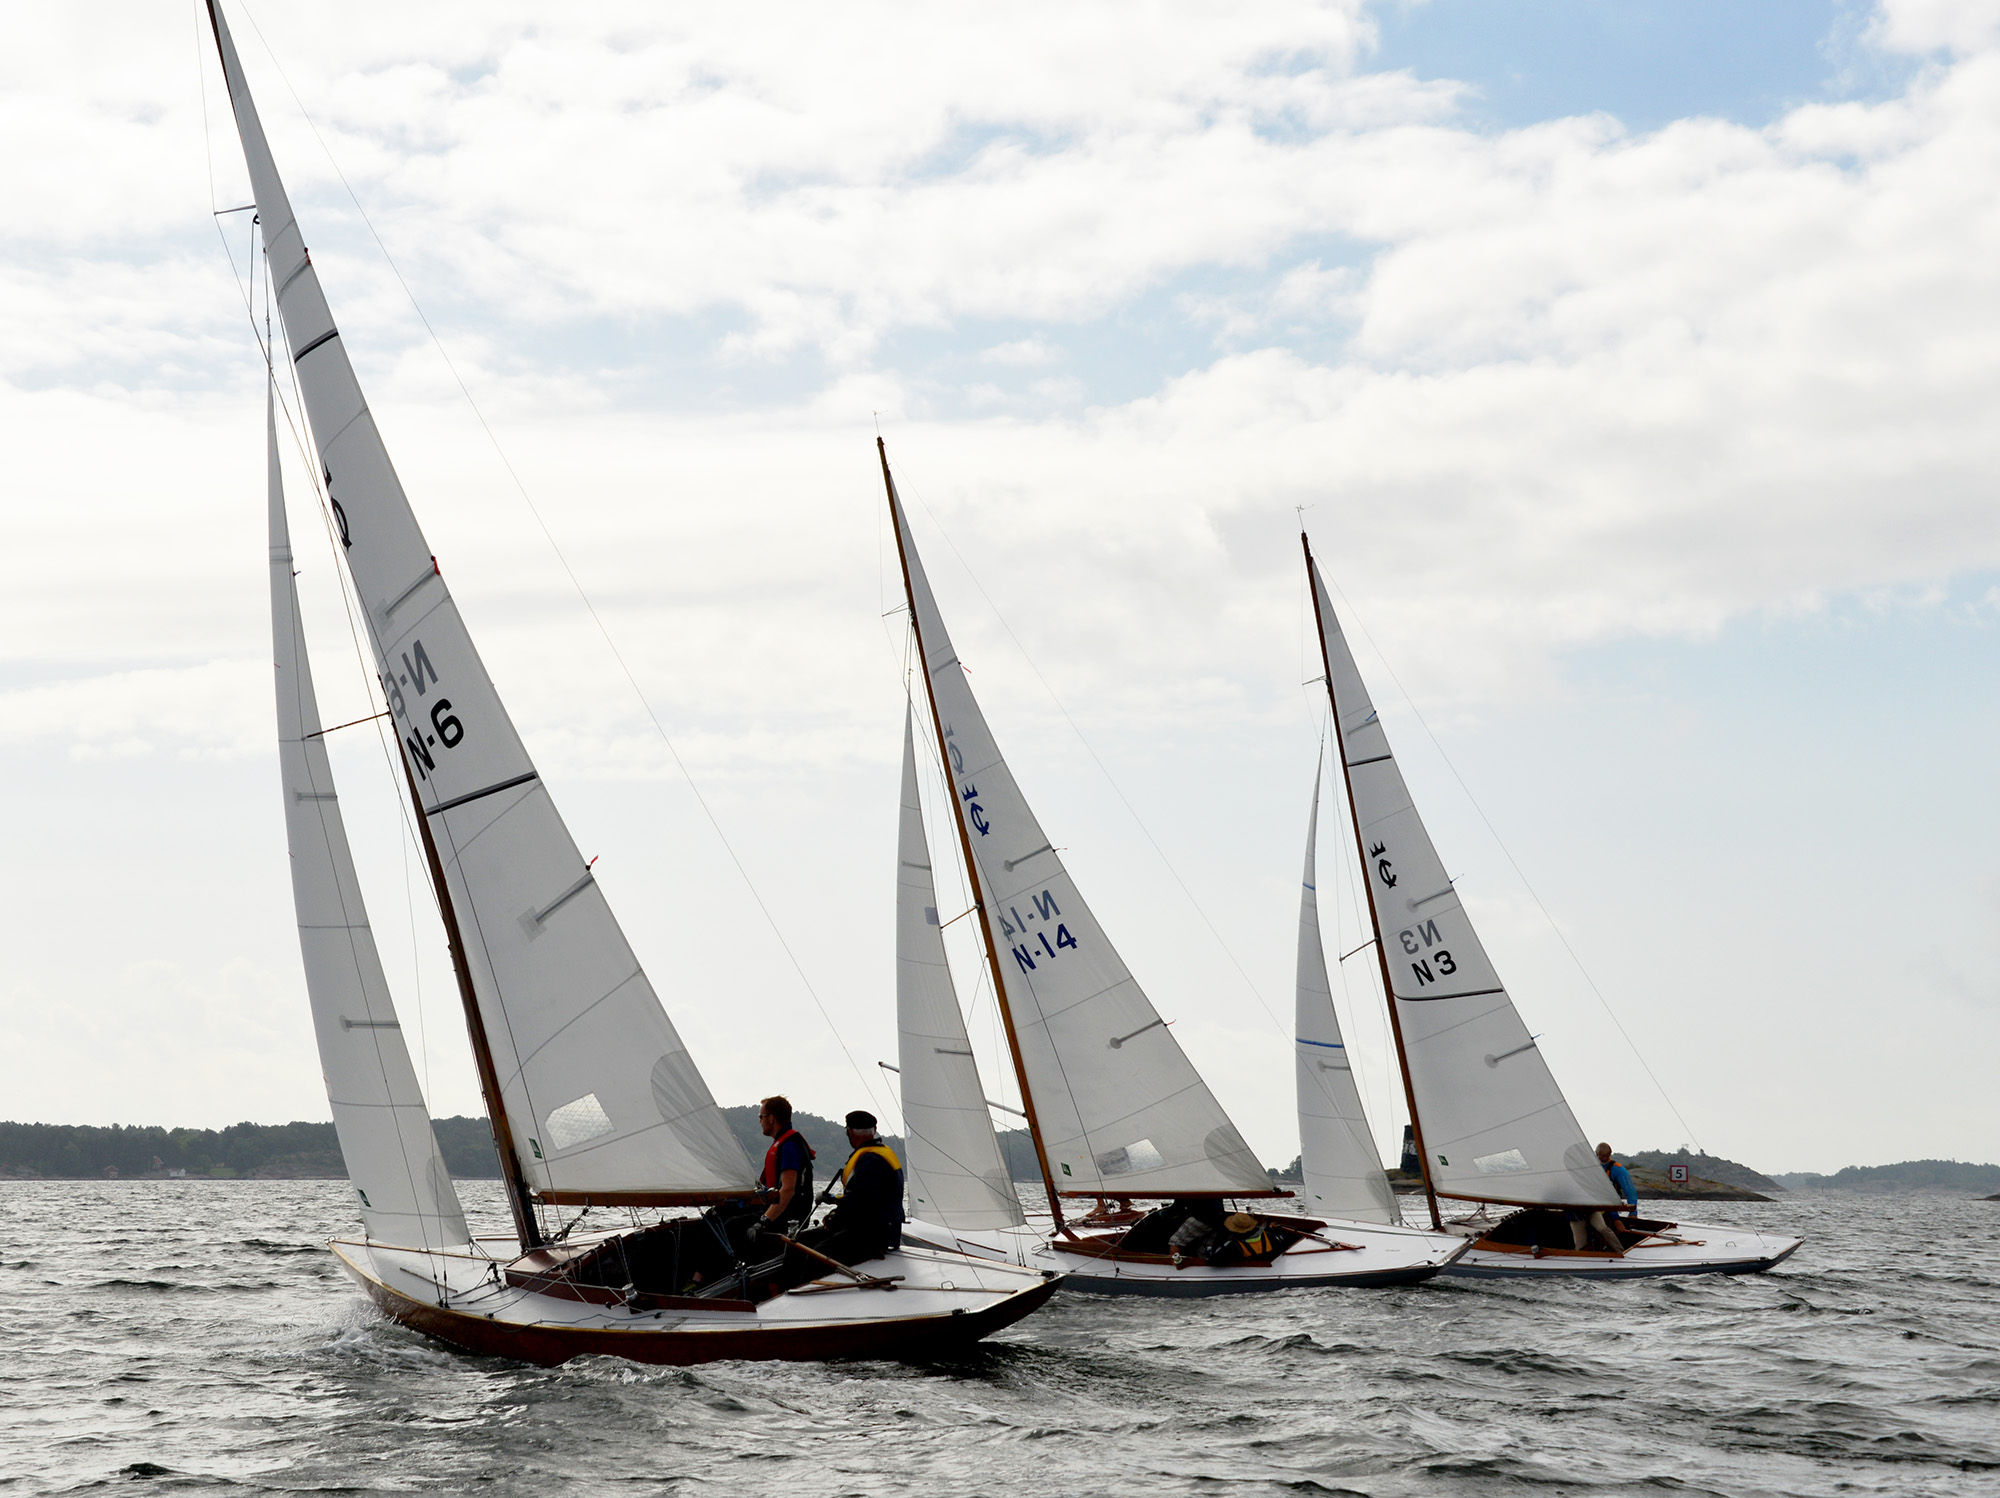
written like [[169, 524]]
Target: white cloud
[[1937, 25], [217, 709], [1542, 389]]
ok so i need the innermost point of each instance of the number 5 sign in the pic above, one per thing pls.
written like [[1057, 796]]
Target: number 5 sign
[[1678, 1174]]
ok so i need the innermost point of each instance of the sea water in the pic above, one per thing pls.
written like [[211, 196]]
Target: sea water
[[196, 1336]]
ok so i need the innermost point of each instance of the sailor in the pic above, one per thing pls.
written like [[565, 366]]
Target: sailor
[[867, 1219], [1248, 1241], [1200, 1228], [1621, 1179], [786, 1185], [1583, 1224]]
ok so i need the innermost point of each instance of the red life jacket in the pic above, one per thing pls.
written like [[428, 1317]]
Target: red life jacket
[[771, 1159]]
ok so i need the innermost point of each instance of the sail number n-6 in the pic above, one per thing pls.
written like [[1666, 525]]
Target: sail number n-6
[[1040, 945], [437, 727]]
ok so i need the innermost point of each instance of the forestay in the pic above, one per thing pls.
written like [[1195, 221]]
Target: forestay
[[393, 1162], [956, 1175], [601, 1095], [1495, 1126], [1343, 1174], [1120, 1108]]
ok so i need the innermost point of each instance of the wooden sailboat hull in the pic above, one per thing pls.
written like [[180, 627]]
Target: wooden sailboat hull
[[942, 1303], [1674, 1248], [1380, 1257]]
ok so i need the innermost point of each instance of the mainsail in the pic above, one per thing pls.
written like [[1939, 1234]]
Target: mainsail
[[1119, 1108], [1494, 1125], [1343, 1174], [602, 1099], [385, 1132], [956, 1174]]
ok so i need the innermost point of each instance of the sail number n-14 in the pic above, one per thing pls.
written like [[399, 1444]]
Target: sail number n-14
[[440, 728], [1037, 945]]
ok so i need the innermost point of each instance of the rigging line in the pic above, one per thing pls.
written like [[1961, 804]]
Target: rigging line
[[1347, 1031], [591, 608], [1507, 853], [1116, 789], [1344, 883], [327, 814], [940, 788], [1319, 1080], [341, 584], [982, 1001], [425, 1220]]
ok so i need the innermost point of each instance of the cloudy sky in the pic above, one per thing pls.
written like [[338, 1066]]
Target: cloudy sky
[[1633, 367]]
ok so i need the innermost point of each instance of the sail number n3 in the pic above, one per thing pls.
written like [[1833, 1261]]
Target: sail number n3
[[442, 729], [1420, 942]]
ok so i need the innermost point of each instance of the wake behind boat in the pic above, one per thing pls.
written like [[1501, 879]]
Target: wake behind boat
[[593, 1100], [1117, 1113], [1492, 1128]]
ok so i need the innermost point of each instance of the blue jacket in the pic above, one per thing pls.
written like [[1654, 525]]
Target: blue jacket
[[1621, 1182]]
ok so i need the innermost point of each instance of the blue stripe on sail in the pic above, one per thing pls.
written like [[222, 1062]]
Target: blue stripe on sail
[[1313, 887], [1331, 1045]]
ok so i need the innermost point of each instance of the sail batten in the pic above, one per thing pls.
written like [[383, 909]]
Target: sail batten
[[566, 1011], [1118, 1108], [1343, 1174], [386, 1139], [1493, 1123]]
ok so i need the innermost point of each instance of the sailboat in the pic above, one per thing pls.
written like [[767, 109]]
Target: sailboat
[[1492, 1128], [593, 1100], [1116, 1112]]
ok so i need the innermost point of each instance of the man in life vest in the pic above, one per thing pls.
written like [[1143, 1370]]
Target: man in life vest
[[1582, 1225], [1621, 1179], [786, 1184], [867, 1218]]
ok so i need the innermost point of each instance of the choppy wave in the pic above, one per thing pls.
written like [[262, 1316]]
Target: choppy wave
[[197, 1337]]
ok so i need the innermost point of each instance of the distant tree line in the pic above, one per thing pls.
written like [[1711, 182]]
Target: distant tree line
[[306, 1150], [1907, 1175]]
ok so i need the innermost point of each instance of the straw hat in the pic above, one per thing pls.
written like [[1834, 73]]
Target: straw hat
[[1242, 1224]]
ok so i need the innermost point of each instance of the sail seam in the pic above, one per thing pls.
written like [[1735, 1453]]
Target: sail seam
[[505, 785], [1432, 998], [327, 337]]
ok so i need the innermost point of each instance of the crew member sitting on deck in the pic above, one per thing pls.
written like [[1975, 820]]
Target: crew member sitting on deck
[[1621, 1180], [786, 1184], [867, 1218], [1244, 1240]]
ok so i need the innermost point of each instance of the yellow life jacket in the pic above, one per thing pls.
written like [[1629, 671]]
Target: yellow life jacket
[[1258, 1242], [869, 1149]]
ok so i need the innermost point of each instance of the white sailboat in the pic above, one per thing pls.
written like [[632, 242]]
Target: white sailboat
[[1492, 1127], [593, 1100], [1116, 1111]]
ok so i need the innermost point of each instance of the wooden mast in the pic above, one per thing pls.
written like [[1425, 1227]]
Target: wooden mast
[[971, 867], [519, 1199], [1374, 916]]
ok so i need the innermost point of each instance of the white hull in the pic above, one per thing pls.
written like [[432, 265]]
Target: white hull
[[1372, 1255], [462, 1296], [1672, 1248]]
